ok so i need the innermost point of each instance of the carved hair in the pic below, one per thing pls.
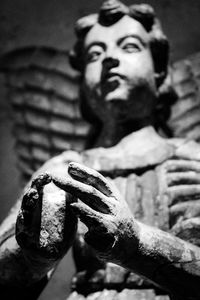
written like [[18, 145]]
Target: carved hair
[[110, 12]]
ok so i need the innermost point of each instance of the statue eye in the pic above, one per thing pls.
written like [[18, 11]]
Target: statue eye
[[131, 47], [131, 44], [94, 53], [93, 56]]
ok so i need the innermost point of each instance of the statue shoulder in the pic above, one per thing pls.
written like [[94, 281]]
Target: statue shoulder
[[138, 150], [186, 149]]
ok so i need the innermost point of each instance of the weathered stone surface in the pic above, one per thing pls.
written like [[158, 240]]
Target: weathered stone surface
[[75, 296], [183, 211], [105, 294], [136, 295], [53, 222], [114, 275], [132, 146], [188, 230], [126, 294]]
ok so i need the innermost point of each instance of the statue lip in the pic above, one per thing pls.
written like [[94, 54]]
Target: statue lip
[[110, 76]]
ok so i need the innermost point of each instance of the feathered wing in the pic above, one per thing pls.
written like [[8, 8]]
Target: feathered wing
[[185, 114], [44, 90]]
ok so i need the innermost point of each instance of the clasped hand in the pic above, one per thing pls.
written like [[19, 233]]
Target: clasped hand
[[89, 196], [100, 207]]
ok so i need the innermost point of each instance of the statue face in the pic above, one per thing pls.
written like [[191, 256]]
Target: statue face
[[119, 73]]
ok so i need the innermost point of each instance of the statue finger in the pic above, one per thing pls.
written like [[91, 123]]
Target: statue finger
[[177, 178], [184, 211], [91, 177], [29, 202], [182, 193], [98, 235], [188, 230], [41, 180], [86, 214], [30, 199], [88, 194]]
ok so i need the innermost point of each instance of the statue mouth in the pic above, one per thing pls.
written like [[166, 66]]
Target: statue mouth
[[110, 81], [109, 77]]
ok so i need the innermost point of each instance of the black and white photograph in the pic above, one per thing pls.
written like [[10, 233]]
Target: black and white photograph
[[99, 150]]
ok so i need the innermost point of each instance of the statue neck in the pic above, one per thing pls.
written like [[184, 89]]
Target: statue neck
[[112, 132]]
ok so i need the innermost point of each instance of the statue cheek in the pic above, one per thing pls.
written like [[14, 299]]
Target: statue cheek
[[92, 74]]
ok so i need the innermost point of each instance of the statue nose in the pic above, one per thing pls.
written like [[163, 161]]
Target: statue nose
[[110, 62]]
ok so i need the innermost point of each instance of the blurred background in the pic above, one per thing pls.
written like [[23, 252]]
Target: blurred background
[[42, 32]]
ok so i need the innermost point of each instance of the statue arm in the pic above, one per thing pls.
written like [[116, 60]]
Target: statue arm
[[17, 277], [166, 260], [14, 267], [32, 246]]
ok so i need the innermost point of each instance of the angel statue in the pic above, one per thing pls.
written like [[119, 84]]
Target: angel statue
[[129, 206]]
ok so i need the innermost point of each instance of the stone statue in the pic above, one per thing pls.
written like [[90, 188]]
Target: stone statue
[[130, 206]]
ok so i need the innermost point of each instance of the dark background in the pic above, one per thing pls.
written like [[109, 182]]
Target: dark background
[[50, 23]]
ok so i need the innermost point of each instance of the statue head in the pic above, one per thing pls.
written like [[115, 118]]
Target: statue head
[[122, 54]]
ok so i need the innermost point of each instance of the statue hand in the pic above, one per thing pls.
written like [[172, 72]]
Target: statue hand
[[101, 208], [46, 225]]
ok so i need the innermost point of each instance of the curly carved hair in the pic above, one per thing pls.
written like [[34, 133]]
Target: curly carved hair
[[110, 12]]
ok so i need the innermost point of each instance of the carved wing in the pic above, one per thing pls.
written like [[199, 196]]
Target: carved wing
[[185, 114], [43, 90]]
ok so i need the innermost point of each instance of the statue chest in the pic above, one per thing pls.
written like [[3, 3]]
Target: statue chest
[[146, 195]]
